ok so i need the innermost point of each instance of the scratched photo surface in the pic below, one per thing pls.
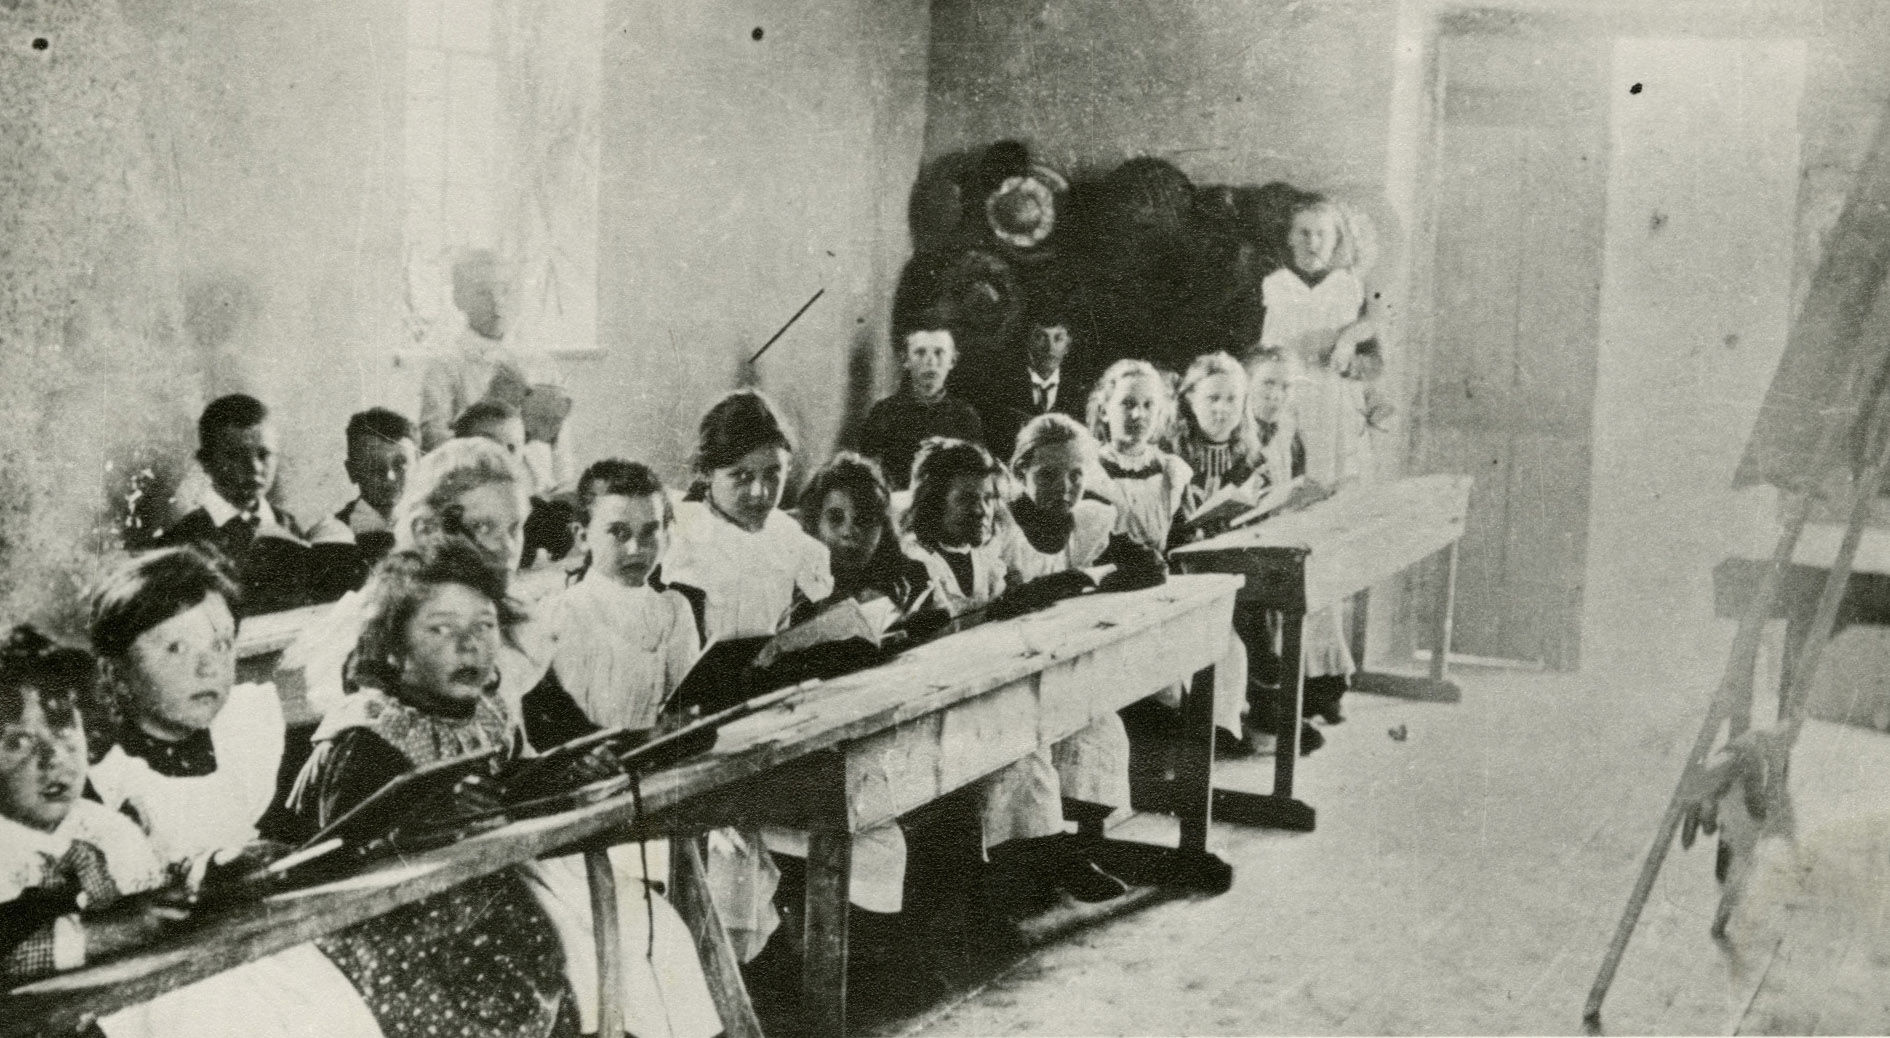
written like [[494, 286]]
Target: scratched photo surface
[[1555, 373]]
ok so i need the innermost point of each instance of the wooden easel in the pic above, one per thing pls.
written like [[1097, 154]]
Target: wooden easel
[[1827, 413]]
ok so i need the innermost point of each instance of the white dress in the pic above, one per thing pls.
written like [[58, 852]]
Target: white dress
[[619, 650], [748, 579], [748, 582], [1306, 319], [295, 993]]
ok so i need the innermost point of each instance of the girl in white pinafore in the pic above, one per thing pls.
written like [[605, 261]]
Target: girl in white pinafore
[[1315, 309], [747, 564], [165, 634], [957, 527]]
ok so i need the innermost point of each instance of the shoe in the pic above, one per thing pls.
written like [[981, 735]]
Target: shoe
[[1331, 715], [1309, 739], [1231, 746], [1087, 882]]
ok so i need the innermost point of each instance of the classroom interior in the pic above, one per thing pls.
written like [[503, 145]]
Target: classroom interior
[[1596, 224]]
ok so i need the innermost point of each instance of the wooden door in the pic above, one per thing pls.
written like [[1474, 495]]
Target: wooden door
[[1509, 383]]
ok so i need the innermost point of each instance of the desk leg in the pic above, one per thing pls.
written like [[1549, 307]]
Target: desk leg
[[1182, 796], [720, 965], [824, 955], [1445, 606], [1437, 688], [1194, 763], [609, 936], [1292, 703]]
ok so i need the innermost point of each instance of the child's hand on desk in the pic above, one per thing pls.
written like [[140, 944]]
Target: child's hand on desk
[[131, 922]]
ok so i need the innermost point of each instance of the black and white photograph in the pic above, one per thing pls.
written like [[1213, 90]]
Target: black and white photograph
[[936, 518]]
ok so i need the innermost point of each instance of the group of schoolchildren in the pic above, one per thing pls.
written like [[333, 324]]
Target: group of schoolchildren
[[132, 775]]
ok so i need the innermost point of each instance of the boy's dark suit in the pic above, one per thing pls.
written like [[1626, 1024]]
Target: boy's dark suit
[[1009, 398], [277, 566]]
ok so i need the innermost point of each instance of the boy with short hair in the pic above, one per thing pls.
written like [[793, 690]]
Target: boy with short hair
[[1007, 399], [236, 445], [381, 447], [923, 407]]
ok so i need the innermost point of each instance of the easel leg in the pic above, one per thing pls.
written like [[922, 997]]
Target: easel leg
[[1194, 762], [608, 933], [824, 961], [720, 965]]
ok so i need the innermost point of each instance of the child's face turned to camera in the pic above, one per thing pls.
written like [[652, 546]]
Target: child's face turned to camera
[[930, 357], [1131, 411], [748, 490], [181, 671], [970, 511], [378, 466], [1215, 403], [1053, 477], [241, 462], [42, 764], [452, 647], [626, 537], [1311, 241], [851, 533], [1271, 384]]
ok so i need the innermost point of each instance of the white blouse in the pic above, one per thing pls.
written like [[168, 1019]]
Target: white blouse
[[987, 573], [748, 579], [193, 815], [619, 650]]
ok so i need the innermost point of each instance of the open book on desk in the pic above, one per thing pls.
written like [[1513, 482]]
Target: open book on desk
[[1233, 507], [844, 637]]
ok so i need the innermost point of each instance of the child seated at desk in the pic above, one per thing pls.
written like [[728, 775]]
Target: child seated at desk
[[548, 523], [504, 945], [619, 647], [1274, 374], [381, 447], [745, 564], [195, 759], [848, 507], [278, 563], [1128, 414], [80, 882], [953, 527], [69, 867], [1214, 432]]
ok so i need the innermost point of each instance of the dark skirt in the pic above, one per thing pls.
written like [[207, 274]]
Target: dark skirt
[[478, 961]]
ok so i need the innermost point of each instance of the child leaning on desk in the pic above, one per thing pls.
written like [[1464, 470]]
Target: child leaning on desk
[[956, 528], [80, 882], [748, 565]]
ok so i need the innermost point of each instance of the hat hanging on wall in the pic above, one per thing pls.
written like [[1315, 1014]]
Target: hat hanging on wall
[[1022, 212]]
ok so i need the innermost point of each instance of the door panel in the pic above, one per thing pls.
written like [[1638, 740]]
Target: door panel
[[1510, 379]]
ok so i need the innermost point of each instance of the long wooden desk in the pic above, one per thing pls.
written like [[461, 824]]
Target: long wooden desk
[[949, 713], [846, 755], [1308, 560]]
